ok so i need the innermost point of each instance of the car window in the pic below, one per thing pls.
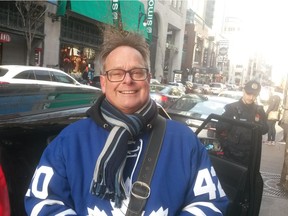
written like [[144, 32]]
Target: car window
[[59, 77], [205, 108], [3, 71], [28, 74], [42, 75]]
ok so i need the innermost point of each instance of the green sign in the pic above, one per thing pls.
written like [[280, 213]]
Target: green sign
[[116, 13], [150, 13]]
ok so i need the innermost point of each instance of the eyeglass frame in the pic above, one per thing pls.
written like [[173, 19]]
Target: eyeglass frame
[[126, 71]]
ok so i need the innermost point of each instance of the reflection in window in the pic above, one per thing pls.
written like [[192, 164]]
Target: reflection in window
[[42, 75], [59, 77], [29, 74]]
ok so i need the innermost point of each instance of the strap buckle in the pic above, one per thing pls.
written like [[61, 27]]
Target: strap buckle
[[140, 190]]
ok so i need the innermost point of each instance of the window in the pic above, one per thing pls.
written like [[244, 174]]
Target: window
[[42, 75], [3, 71], [59, 77], [29, 74]]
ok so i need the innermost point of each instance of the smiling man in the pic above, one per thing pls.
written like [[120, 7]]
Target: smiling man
[[91, 166], [126, 86]]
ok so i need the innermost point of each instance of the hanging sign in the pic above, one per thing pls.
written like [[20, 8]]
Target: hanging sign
[[115, 12], [4, 37], [150, 13]]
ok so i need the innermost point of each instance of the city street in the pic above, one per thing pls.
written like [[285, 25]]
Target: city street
[[274, 200]]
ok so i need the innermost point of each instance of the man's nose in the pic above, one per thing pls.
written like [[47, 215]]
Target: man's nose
[[127, 77]]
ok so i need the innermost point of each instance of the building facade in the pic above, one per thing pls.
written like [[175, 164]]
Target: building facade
[[70, 34]]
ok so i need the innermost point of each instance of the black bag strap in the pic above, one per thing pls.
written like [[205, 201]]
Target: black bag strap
[[140, 191]]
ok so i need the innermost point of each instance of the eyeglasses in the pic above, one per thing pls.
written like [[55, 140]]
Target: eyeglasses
[[118, 75]]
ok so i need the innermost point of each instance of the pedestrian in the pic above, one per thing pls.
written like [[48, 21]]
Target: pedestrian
[[273, 115], [236, 140], [85, 78], [91, 166]]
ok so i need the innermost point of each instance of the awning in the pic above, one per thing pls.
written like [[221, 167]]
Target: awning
[[132, 12]]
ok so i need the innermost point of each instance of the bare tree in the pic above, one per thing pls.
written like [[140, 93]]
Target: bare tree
[[32, 14]]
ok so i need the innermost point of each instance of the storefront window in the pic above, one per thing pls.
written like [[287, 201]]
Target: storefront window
[[75, 59]]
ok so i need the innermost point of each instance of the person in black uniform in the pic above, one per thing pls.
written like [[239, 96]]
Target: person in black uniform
[[235, 140]]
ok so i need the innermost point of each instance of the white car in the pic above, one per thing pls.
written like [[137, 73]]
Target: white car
[[28, 90], [154, 81], [216, 88], [180, 85], [37, 75], [231, 94]]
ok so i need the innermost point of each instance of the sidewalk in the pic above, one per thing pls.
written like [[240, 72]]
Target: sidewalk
[[274, 199]]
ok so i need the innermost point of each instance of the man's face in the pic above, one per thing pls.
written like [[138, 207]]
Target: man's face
[[127, 95], [248, 98]]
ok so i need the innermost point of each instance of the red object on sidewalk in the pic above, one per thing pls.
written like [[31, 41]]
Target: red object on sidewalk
[[4, 198]]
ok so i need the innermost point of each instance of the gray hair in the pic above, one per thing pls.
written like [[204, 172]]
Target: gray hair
[[114, 38]]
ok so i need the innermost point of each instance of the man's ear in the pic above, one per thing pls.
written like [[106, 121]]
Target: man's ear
[[103, 83]]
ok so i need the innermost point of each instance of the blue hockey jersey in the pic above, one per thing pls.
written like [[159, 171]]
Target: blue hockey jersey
[[184, 182]]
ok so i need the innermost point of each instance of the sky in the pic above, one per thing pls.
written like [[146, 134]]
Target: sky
[[266, 29]]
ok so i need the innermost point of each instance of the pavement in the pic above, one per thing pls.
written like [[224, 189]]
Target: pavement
[[274, 199]]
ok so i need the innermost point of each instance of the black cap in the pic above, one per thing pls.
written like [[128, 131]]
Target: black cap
[[252, 87]]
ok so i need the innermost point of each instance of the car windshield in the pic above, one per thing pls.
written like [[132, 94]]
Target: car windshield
[[199, 107], [204, 108], [187, 103]]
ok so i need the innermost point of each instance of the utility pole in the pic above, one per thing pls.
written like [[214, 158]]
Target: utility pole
[[284, 125]]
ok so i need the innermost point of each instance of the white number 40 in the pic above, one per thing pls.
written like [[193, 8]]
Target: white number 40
[[45, 174]]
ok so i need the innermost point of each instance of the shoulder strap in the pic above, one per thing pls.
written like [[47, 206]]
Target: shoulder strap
[[140, 189]]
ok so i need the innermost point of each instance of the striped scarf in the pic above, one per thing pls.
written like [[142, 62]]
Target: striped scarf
[[108, 180]]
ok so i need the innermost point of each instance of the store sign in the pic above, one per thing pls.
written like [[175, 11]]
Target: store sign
[[115, 12], [205, 57], [150, 12], [4, 37]]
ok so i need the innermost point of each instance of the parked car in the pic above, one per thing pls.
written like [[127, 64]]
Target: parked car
[[27, 89], [231, 94], [198, 88], [165, 94], [193, 109], [154, 81], [179, 84], [20, 74], [231, 87], [206, 88], [216, 88], [195, 88]]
